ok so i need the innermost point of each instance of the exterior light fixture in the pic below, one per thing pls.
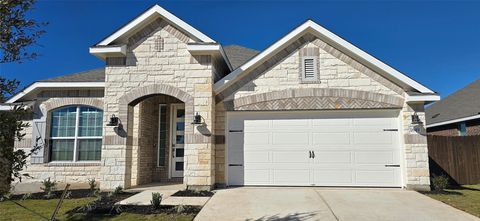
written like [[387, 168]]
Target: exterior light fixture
[[416, 119], [113, 121], [197, 119]]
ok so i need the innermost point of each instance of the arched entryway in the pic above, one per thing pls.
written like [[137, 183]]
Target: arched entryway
[[154, 132]]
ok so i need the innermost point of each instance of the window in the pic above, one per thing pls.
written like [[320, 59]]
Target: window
[[309, 68], [76, 134], [462, 129], [162, 135]]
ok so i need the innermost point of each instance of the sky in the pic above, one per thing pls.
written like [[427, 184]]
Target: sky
[[434, 42]]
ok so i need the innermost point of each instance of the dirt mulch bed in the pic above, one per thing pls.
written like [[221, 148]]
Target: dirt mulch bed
[[191, 193], [74, 194], [106, 205]]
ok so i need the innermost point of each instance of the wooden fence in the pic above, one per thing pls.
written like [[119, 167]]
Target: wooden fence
[[456, 157]]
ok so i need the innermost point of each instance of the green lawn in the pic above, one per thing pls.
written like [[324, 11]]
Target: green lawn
[[11, 211], [466, 198]]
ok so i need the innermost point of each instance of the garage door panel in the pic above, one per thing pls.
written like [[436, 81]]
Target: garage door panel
[[291, 177], [373, 138], [376, 177], [257, 176], [338, 138], [258, 156], [293, 138], [257, 125], [256, 138], [333, 157], [294, 156], [289, 123], [333, 177], [376, 157], [332, 122]]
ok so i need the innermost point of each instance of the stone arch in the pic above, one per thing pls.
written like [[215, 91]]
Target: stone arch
[[315, 99], [55, 103]]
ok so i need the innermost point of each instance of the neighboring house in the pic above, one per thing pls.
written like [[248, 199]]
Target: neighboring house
[[457, 114], [173, 105]]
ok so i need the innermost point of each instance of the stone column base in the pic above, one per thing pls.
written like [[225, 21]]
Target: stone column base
[[418, 187]]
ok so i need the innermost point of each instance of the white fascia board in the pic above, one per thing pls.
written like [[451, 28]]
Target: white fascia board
[[310, 26], [454, 121], [103, 52], [164, 14], [66, 85], [423, 98], [202, 48], [212, 49]]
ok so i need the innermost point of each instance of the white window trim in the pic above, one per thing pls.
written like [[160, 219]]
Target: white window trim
[[315, 69], [75, 141]]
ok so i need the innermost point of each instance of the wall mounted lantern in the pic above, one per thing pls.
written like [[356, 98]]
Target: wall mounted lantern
[[416, 119], [197, 119], [113, 121]]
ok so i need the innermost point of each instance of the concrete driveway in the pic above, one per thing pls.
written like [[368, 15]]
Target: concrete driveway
[[268, 204]]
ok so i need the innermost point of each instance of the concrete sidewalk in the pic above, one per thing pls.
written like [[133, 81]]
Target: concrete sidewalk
[[262, 204]]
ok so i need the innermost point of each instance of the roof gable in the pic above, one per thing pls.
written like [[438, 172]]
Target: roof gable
[[330, 38], [148, 16]]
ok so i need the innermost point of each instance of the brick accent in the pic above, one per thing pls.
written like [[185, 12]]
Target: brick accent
[[54, 103], [314, 99]]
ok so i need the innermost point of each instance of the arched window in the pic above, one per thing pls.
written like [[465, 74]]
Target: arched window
[[76, 134]]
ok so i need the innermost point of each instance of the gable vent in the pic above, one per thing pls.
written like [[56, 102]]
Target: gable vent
[[159, 44], [309, 68]]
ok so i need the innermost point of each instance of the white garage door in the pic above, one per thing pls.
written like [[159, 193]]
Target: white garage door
[[341, 148]]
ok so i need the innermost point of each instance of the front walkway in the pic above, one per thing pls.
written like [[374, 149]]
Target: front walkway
[[329, 204], [145, 195]]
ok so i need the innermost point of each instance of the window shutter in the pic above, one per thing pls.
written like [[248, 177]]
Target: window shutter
[[309, 68], [38, 139]]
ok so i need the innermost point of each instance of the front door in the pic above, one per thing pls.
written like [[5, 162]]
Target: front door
[[178, 135]]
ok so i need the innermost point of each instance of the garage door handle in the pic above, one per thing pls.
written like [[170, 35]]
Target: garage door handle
[[313, 154], [392, 165], [309, 154]]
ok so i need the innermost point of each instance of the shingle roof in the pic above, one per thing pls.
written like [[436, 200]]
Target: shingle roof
[[463, 103], [238, 55], [94, 75]]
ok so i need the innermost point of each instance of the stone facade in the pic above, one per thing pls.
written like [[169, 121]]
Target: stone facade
[[172, 71]]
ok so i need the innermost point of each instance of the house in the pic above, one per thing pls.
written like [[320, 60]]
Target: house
[[457, 114], [174, 105]]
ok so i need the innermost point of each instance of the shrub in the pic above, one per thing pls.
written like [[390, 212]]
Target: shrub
[[118, 190], [26, 196], [439, 183], [180, 208], [92, 185], [156, 200], [48, 187]]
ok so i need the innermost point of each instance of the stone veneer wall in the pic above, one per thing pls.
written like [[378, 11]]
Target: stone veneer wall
[[75, 172], [416, 150], [337, 71], [149, 71]]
